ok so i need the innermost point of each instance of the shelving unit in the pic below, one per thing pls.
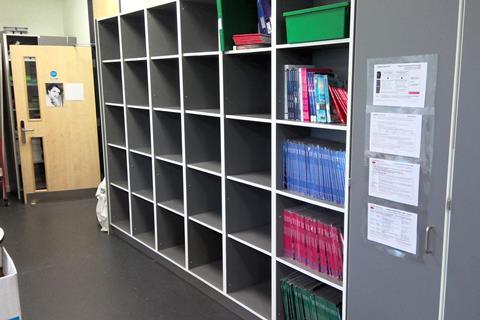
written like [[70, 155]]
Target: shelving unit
[[201, 133]]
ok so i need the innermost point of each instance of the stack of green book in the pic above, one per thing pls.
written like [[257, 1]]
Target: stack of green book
[[306, 299]]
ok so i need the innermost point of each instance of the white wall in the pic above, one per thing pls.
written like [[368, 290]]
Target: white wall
[[131, 5], [75, 20], [47, 17], [42, 17]]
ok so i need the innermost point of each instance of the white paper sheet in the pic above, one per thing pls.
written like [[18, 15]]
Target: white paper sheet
[[395, 133], [392, 227], [400, 84], [394, 181], [74, 92]]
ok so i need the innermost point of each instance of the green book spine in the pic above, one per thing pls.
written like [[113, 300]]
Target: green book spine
[[221, 35]]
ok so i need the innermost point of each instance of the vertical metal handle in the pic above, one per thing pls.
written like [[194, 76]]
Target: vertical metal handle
[[428, 230], [23, 131]]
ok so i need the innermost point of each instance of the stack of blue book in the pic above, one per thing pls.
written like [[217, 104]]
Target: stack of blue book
[[315, 168]]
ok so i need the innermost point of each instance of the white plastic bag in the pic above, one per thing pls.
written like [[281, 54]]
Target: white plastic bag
[[102, 205], [9, 297]]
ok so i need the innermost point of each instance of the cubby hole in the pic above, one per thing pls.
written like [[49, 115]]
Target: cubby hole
[[205, 254], [167, 136], [143, 221], [162, 29], [119, 209], [133, 35], [248, 152], [247, 83], [335, 139], [138, 122], [248, 215], [199, 25], [332, 57], [141, 176], [171, 235], [318, 289], [288, 5], [109, 38], [169, 186], [112, 82], [240, 17], [204, 199], [249, 277], [136, 83], [165, 84], [203, 143], [117, 167], [115, 125], [201, 84], [286, 246]]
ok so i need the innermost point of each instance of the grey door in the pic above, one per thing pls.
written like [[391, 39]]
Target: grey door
[[463, 281], [382, 286]]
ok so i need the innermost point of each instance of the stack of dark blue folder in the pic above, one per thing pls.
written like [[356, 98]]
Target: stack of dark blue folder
[[315, 168]]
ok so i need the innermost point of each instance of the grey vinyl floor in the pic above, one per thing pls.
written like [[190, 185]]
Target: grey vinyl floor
[[68, 269]]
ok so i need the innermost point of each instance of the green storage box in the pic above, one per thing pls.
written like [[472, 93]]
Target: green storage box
[[318, 23]]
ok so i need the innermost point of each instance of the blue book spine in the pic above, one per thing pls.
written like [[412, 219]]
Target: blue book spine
[[267, 10], [327, 99], [334, 176], [320, 99], [262, 25], [303, 168], [315, 170], [311, 97], [310, 171], [321, 189], [284, 166]]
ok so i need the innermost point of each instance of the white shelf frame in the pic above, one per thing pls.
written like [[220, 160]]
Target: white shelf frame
[[272, 188]]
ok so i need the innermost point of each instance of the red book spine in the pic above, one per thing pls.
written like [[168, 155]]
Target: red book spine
[[314, 243], [304, 96], [335, 257], [321, 247], [303, 248], [297, 237], [287, 240], [328, 247]]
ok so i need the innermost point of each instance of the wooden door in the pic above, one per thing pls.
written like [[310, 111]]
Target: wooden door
[[57, 129]]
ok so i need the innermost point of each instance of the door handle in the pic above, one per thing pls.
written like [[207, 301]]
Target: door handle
[[23, 131], [428, 231]]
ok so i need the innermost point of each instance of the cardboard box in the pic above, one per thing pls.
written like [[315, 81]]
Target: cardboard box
[[9, 297]]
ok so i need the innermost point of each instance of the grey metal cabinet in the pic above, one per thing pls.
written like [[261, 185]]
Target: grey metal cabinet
[[382, 286], [462, 280]]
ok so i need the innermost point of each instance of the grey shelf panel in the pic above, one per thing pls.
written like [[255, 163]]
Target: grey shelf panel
[[165, 80], [123, 225], [174, 109], [147, 238], [110, 38], [133, 34], [258, 237], [112, 82], [117, 166], [261, 179], [142, 216], [172, 158], [214, 167], [212, 219], [122, 184], [119, 207], [138, 125], [136, 83], [147, 194], [209, 112], [211, 273], [255, 117], [177, 254], [199, 25], [140, 173], [162, 28], [167, 133], [256, 297], [175, 205], [201, 82], [115, 125], [146, 151]]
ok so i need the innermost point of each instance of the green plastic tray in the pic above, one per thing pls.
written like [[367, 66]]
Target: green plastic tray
[[318, 23]]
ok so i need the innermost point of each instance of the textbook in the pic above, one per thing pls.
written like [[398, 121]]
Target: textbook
[[314, 95], [315, 168]]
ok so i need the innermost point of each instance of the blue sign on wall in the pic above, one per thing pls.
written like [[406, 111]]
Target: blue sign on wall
[[53, 74]]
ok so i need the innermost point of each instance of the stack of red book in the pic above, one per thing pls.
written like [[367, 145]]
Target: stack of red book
[[340, 101], [314, 239], [251, 40]]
